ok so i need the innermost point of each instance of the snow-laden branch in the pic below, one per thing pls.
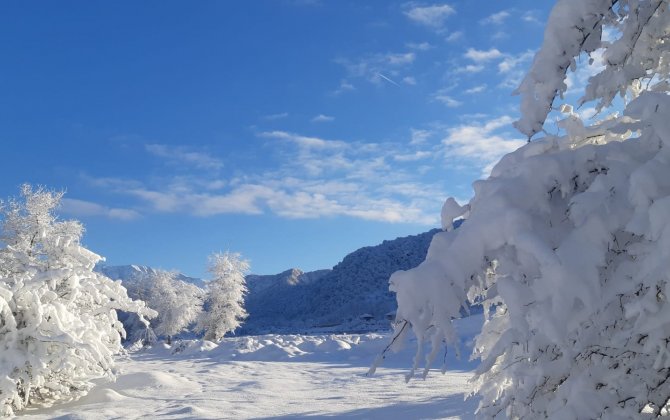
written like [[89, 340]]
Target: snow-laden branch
[[567, 243]]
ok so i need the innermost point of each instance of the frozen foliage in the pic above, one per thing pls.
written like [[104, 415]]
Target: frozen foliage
[[636, 60], [225, 295], [178, 303], [58, 324], [139, 281], [567, 244]]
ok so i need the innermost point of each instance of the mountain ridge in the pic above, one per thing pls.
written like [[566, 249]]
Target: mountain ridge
[[351, 296]]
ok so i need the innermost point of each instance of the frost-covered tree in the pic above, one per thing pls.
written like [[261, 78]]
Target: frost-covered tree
[[567, 243], [178, 303], [58, 324], [225, 298]]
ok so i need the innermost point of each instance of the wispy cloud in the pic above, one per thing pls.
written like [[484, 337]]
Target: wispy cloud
[[274, 117], [321, 118], [419, 136], [305, 141], [308, 176], [483, 142], [496, 18], [184, 155], [498, 35], [82, 208], [443, 97], [316, 178], [476, 89], [432, 16], [531, 16], [511, 62], [454, 36], [377, 68], [411, 157], [419, 46], [344, 86], [513, 68], [409, 80], [479, 56], [470, 68]]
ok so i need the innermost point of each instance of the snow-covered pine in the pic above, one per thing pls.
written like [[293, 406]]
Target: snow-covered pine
[[226, 292], [178, 303], [567, 243], [58, 324]]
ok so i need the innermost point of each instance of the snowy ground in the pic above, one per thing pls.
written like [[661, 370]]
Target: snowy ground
[[275, 376]]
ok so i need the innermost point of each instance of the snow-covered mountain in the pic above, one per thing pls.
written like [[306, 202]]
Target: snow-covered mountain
[[259, 284], [353, 295], [133, 273]]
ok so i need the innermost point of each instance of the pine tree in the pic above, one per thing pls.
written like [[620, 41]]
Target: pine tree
[[58, 324], [226, 293]]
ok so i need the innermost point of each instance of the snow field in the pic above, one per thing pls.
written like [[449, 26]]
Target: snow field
[[275, 376]]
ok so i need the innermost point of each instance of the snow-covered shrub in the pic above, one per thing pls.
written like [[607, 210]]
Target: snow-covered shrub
[[225, 299], [178, 303], [567, 243], [58, 324]]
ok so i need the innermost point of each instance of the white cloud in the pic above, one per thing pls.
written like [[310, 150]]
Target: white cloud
[[297, 198], [411, 157], [419, 136], [274, 117], [316, 178], [81, 208], [409, 80], [345, 86], [400, 58], [481, 142], [422, 46], [470, 68], [483, 55], [442, 96], [432, 16], [454, 36], [476, 89], [499, 35], [322, 118], [184, 155], [530, 16], [513, 68], [496, 18], [377, 68], [305, 141], [511, 62]]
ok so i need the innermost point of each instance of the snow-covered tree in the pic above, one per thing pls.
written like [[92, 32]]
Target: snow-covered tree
[[226, 292], [567, 243], [58, 324], [178, 303]]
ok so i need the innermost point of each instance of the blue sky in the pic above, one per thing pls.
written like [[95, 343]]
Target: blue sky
[[292, 131]]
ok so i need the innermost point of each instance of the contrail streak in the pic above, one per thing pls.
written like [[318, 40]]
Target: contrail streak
[[387, 79]]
